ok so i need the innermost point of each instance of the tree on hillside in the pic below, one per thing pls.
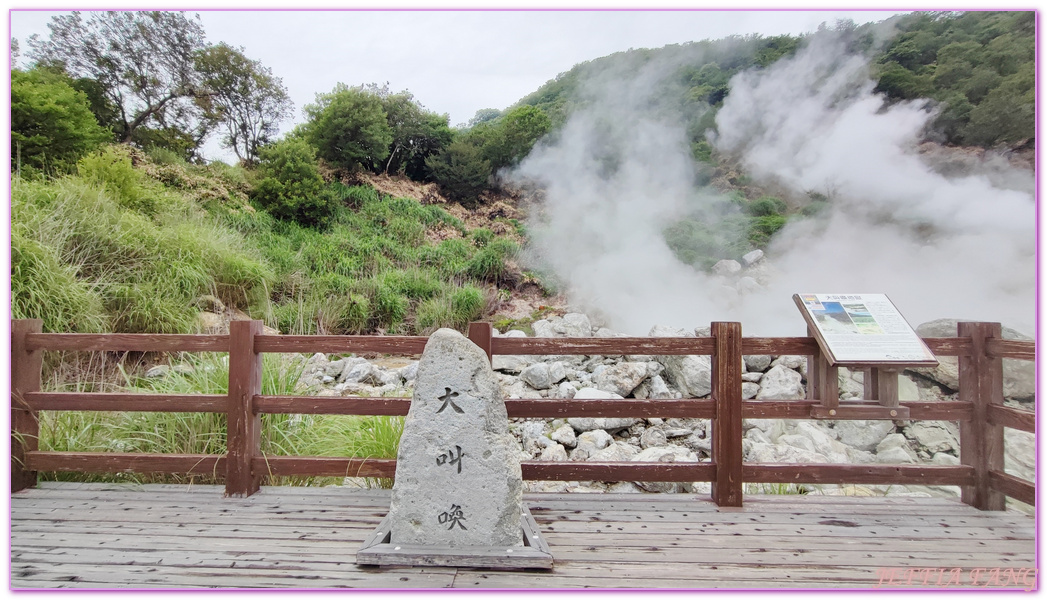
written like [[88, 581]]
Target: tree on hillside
[[349, 128], [144, 62], [51, 125], [461, 172], [291, 187], [514, 135], [250, 101], [417, 132]]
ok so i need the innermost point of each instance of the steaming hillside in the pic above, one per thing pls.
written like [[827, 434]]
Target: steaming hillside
[[625, 201]]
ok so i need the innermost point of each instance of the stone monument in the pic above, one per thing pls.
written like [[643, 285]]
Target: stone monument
[[458, 495]]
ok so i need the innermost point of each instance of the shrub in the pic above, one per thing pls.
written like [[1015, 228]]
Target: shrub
[[291, 187], [51, 123], [111, 169], [762, 228], [766, 206]]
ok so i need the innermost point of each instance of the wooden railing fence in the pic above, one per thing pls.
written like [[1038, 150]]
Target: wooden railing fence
[[979, 410]]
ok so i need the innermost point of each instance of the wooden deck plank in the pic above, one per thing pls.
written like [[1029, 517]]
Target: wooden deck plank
[[91, 535]]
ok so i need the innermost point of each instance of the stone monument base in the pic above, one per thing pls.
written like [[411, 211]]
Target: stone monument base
[[379, 549]]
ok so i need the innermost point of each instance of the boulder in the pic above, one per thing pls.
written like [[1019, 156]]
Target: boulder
[[565, 435], [653, 438], [542, 376], [727, 267], [781, 383], [1019, 376], [894, 440], [863, 435], [935, 436], [668, 454], [621, 378], [554, 453], [752, 258], [757, 362], [575, 325], [590, 442], [750, 390], [615, 452]]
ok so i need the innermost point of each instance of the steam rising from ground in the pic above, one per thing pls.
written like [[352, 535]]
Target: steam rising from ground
[[620, 172]]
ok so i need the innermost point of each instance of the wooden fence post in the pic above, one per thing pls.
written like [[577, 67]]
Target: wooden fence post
[[727, 425], [25, 424], [480, 334], [981, 443], [244, 425]]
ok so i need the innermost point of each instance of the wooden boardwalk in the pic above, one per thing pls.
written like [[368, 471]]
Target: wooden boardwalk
[[165, 536]]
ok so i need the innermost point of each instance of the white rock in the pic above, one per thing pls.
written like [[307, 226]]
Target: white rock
[[541, 376], [896, 455], [863, 435], [555, 453], [780, 383], [935, 436], [576, 325], [622, 378], [334, 368], [509, 363], [757, 362], [409, 372], [727, 267], [1019, 376], [774, 453], [594, 440], [941, 458], [616, 452], [566, 390], [752, 258], [653, 438], [589, 423], [566, 436], [543, 328], [797, 363], [894, 440], [750, 390]]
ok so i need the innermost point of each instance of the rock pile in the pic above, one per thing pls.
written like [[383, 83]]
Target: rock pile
[[688, 440]]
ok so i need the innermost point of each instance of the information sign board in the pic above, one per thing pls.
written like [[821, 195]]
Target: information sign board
[[862, 330]]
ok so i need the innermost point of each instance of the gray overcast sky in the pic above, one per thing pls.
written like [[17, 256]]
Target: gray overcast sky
[[457, 62]]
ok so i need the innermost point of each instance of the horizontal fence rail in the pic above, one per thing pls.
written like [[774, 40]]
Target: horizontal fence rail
[[980, 412]]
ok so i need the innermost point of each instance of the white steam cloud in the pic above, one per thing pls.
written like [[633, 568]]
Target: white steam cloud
[[620, 172]]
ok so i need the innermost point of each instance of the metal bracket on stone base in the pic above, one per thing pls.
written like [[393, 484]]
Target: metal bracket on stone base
[[379, 549]]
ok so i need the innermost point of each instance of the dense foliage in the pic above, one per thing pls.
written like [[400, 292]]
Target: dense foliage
[[979, 65], [51, 123]]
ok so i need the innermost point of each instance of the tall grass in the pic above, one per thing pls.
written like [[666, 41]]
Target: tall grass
[[205, 433]]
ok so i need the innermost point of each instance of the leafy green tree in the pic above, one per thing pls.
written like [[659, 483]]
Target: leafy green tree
[[461, 171], [514, 135], [143, 60], [349, 128], [51, 124], [484, 115], [249, 100], [417, 133], [291, 187]]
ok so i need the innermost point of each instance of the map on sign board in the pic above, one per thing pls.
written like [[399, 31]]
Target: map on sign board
[[862, 329]]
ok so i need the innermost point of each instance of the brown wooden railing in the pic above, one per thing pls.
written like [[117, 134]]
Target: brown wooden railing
[[980, 410]]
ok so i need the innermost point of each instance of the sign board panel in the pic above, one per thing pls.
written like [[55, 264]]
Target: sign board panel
[[862, 330]]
